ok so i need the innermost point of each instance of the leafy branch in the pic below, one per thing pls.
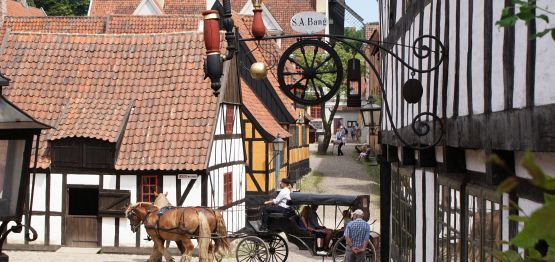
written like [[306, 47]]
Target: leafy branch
[[526, 11], [537, 235]]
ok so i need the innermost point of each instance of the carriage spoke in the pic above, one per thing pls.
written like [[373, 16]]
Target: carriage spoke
[[327, 72], [296, 83], [316, 89], [304, 56], [303, 94], [292, 73]]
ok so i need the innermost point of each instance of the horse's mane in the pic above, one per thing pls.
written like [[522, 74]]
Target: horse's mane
[[133, 206], [161, 201]]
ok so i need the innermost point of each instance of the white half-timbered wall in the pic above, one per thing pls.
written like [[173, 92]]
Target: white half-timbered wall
[[495, 78], [227, 155]]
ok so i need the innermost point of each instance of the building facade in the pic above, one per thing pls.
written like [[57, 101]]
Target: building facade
[[132, 116], [493, 94]]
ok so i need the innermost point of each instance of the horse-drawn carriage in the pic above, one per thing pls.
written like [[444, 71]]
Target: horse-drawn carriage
[[289, 224], [164, 222]]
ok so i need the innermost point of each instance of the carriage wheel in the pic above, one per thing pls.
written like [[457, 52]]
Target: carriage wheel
[[310, 72], [252, 249], [278, 248], [340, 246]]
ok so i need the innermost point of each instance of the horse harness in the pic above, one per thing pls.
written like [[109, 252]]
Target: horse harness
[[161, 212]]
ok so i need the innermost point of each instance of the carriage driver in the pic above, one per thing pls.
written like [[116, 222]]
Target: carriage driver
[[278, 204]]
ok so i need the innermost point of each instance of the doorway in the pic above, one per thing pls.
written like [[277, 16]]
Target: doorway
[[81, 216]]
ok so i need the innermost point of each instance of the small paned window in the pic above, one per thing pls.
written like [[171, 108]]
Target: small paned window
[[149, 186], [293, 140], [229, 119], [228, 188], [315, 111], [304, 138]]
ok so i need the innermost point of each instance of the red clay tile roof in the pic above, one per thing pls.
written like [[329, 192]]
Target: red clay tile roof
[[101, 25], [14, 8], [106, 7], [91, 117], [264, 54], [127, 7], [261, 114], [174, 109], [284, 10]]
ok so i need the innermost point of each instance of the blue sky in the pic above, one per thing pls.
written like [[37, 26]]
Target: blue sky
[[368, 9]]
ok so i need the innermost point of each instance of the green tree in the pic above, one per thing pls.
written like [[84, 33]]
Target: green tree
[[62, 7], [537, 234], [527, 10]]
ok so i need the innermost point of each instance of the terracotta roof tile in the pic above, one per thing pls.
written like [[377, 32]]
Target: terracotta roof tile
[[261, 114], [128, 7], [174, 109], [101, 25], [15, 8], [106, 7]]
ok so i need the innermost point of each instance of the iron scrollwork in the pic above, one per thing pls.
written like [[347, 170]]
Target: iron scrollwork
[[424, 47]]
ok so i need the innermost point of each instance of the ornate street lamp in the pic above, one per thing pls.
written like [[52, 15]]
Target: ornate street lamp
[[371, 114], [278, 144], [17, 132]]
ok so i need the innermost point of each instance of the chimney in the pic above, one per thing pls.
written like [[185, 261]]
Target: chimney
[[322, 6]]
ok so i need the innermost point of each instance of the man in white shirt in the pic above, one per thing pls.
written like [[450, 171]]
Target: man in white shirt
[[278, 204]]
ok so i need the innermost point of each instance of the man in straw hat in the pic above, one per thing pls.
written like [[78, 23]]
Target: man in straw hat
[[357, 235], [278, 204]]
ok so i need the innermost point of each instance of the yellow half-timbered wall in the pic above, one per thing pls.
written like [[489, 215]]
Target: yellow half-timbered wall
[[259, 159], [299, 151]]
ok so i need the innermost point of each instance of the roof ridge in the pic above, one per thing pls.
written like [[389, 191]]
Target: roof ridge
[[117, 35]]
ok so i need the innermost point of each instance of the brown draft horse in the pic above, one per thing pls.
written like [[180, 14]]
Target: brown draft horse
[[180, 225]]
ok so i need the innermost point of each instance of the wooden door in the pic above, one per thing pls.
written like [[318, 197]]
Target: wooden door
[[81, 222], [81, 231]]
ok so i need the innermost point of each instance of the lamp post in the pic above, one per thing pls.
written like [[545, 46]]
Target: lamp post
[[371, 115], [17, 132], [278, 145]]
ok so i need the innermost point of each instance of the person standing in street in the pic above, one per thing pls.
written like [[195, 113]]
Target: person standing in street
[[339, 139], [357, 235]]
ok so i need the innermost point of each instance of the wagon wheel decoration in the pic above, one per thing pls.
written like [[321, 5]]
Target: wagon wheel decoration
[[252, 249], [310, 72]]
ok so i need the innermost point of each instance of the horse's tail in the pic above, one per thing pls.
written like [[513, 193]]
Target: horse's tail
[[204, 236], [221, 242]]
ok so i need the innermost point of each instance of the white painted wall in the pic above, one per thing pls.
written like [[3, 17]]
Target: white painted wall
[[463, 47], [475, 160], [545, 61], [126, 237], [108, 229], [37, 222], [497, 82], [430, 217], [56, 192], [439, 154], [546, 160], [55, 230], [419, 236], [519, 89], [73, 179], [109, 182], [195, 197], [39, 198], [169, 184]]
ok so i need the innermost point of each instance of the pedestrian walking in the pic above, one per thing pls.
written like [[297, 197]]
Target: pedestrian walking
[[357, 235], [353, 133], [339, 139]]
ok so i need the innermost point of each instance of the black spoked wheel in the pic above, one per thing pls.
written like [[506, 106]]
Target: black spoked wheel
[[252, 249], [278, 248], [310, 72], [340, 246]]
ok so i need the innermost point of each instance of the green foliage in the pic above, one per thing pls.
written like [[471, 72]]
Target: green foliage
[[62, 7], [538, 226], [526, 11]]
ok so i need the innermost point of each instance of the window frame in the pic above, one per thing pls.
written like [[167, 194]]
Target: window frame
[[150, 195], [228, 188], [229, 119]]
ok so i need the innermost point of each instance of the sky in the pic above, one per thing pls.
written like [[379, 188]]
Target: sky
[[368, 9]]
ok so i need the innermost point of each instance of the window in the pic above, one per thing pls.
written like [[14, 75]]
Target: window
[[228, 188], [229, 119], [82, 201], [352, 123], [293, 140], [149, 186], [82, 153], [402, 219], [304, 139], [448, 219], [315, 111]]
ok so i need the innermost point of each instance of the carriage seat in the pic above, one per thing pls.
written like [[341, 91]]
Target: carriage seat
[[282, 215]]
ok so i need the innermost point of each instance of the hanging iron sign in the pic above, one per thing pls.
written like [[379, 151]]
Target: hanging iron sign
[[308, 22]]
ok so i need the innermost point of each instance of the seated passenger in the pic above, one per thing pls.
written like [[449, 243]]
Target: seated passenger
[[309, 218], [277, 205], [346, 218]]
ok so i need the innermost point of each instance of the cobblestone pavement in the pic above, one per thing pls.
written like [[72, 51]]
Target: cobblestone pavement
[[341, 175]]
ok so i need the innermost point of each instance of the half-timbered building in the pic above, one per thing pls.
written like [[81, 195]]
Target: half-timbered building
[[494, 95], [132, 115]]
